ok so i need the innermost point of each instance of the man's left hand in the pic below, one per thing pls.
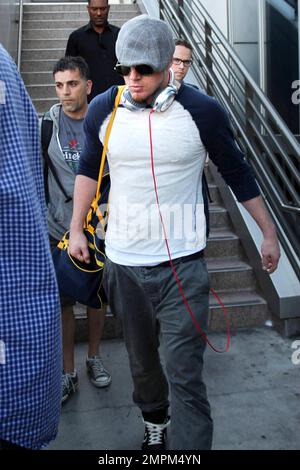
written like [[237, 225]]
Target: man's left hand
[[270, 252]]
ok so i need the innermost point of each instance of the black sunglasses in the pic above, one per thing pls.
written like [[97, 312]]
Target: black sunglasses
[[142, 69]]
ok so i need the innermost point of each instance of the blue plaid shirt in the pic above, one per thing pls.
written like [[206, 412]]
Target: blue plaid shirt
[[30, 340]]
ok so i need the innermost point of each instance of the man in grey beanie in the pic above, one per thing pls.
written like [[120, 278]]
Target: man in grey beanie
[[156, 154]]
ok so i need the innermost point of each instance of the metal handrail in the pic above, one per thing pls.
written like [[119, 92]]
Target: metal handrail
[[20, 34], [260, 131]]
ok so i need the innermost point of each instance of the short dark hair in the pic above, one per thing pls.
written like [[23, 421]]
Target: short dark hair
[[89, 1], [72, 63], [184, 43]]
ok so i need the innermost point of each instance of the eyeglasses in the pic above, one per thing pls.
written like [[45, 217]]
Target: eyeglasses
[[186, 63], [142, 69]]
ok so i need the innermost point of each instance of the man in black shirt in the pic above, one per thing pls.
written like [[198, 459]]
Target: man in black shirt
[[95, 42]]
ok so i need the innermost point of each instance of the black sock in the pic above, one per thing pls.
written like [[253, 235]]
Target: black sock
[[157, 416]]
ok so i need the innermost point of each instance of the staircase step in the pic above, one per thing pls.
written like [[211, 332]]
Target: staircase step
[[60, 33], [71, 23], [218, 217], [229, 273], [44, 44], [39, 78], [214, 194], [209, 176], [43, 105], [42, 91], [34, 54], [80, 16], [223, 243], [246, 309], [80, 6], [38, 65]]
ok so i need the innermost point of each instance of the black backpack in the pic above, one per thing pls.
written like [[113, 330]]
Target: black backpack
[[46, 134]]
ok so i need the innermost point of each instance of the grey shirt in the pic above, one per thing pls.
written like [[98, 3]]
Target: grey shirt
[[64, 150]]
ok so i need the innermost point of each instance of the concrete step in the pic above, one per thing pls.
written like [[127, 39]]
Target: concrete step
[[222, 243], [43, 105], [34, 54], [41, 91], [230, 273], [209, 177], [74, 6], [78, 15], [38, 65], [50, 43], [60, 33], [70, 23], [39, 78], [215, 194], [219, 217], [246, 308]]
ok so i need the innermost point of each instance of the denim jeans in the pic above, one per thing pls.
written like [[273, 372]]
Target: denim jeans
[[148, 301]]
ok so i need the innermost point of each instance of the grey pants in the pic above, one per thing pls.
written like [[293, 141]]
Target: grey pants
[[148, 301]]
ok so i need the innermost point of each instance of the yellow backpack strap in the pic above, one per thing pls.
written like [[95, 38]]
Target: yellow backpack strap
[[106, 139]]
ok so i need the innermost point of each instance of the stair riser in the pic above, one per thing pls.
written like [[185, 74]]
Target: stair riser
[[40, 92], [44, 44], [74, 16], [215, 196], [245, 316], [221, 248], [42, 106], [71, 7], [231, 279], [240, 317], [52, 54], [37, 78], [70, 23], [53, 33], [219, 220], [40, 66]]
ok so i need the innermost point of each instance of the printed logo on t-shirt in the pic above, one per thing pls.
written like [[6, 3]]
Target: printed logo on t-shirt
[[72, 154]]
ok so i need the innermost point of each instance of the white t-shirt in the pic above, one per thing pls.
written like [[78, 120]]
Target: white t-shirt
[[134, 235]]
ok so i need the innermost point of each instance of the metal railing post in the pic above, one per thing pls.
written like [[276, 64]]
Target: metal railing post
[[181, 16], [208, 58], [249, 113], [20, 32], [161, 6]]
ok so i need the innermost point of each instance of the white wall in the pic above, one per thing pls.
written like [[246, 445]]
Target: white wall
[[245, 33], [218, 11], [149, 6], [8, 25]]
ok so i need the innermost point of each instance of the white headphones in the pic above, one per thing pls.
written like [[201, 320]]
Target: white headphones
[[162, 99]]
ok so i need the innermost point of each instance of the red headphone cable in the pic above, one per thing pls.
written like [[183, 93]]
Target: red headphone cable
[[172, 265]]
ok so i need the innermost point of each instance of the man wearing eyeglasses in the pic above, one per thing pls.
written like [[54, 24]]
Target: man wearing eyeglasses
[[156, 154], [182, 59], [95, 42]]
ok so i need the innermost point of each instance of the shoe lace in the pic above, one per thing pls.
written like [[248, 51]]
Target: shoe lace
[[97, 366], [67, 383], [155, 432]]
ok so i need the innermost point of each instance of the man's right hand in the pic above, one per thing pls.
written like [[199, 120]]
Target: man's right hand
[[78, 246]]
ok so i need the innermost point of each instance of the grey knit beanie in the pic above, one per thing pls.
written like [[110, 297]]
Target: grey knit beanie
[[145, 40]]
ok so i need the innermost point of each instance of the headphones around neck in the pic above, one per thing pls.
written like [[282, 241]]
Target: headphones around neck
[[162, 99]]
